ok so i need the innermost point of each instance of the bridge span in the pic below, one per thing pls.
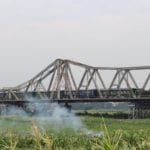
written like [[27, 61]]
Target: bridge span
[[66, 81]]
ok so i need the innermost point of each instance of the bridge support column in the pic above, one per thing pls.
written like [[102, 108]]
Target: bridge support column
[[3, 109], [139, 110], [68, 107]]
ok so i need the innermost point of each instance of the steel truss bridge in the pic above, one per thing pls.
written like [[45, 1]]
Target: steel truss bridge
[[66, 81]]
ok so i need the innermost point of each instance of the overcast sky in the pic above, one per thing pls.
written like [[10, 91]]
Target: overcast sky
[[33, 33]]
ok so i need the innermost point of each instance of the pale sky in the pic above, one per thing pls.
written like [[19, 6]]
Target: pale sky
[[33, 33]]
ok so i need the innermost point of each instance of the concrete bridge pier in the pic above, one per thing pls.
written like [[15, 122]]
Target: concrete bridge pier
[[3, 109], [139, 110]]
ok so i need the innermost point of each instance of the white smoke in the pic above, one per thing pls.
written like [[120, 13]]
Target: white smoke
[[53, 115], [14, 110]]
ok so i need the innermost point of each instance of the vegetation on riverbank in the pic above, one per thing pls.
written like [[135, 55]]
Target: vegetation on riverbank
[[26, 133]]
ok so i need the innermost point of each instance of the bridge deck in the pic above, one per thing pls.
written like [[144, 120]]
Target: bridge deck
[[132, 100]]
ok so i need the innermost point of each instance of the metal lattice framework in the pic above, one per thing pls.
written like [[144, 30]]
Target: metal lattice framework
[[66, 79]]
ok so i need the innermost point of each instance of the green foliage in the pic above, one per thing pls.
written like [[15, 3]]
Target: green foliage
[[9, 142], [119, 134], [107, 141], [41, 139]]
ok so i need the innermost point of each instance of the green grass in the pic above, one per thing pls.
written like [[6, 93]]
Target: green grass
[[114, 124], [25, 133]]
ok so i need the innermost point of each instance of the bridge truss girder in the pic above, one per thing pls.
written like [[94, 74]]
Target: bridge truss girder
[[61, 77]]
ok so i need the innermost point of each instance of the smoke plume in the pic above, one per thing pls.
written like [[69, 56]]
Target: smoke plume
[[51, 114]]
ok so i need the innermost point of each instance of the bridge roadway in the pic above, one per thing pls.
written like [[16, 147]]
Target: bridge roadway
[[77, 100], [122, 95]]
